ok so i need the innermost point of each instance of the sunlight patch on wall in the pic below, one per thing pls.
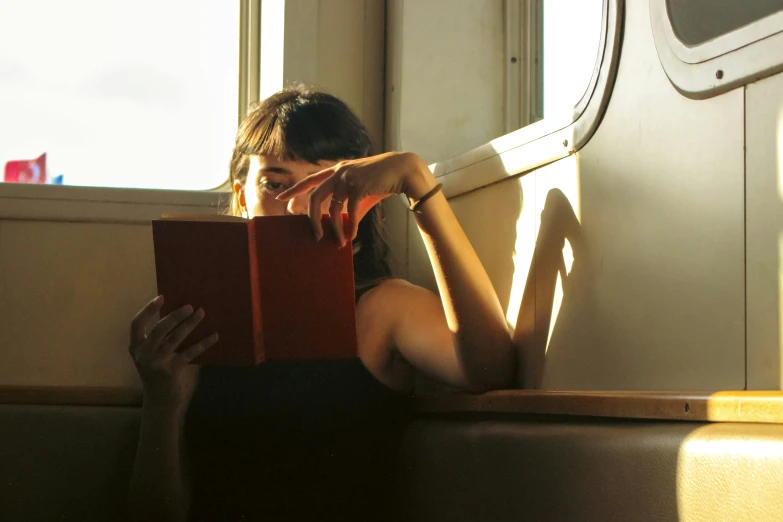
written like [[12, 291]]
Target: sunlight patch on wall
[[563, 176], [568, 257], [523, 249]]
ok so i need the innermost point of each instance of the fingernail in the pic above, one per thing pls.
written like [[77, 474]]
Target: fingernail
[[200, 312], [158, 299], [188, 309]]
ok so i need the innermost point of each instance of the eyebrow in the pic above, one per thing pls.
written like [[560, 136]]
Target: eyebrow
[[284, 171], [277, 170]]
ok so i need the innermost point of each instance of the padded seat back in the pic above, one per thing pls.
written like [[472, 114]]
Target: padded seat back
[[514, 470], [65, 462]]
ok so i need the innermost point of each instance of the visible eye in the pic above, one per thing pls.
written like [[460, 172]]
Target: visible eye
[[272, 186]]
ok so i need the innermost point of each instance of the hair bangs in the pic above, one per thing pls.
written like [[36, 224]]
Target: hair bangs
[[264, 135], [302, 128]]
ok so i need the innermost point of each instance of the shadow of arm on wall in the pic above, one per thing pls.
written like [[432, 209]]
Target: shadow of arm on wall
[[558, 225]]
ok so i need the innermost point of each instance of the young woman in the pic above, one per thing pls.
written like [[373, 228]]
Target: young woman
[[313, 441]]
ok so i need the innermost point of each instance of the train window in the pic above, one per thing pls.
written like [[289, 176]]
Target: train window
[[139, 94], [561, 60], [698, 21], [708, 47], [572, 31], [558, 42]]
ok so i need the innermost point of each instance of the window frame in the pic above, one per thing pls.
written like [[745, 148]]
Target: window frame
[[133, 205], [547, 140], [744, 55]]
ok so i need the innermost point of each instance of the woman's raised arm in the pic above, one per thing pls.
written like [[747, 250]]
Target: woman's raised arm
[[461, 338]]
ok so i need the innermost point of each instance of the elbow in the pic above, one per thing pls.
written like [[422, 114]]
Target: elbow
[[497, 372]]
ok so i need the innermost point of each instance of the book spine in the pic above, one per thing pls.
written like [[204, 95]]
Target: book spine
[[255, 292]]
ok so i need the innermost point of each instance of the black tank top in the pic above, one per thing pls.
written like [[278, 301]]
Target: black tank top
[[293, 441]]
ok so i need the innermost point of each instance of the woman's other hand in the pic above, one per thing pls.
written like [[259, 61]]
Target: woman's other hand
[[168, 379], [361, 184]]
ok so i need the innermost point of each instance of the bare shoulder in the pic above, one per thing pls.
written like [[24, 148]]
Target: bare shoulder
[[393, 293], [379, 312]]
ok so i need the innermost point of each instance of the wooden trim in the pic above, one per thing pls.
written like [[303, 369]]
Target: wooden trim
[[726, 406], [71, 396]]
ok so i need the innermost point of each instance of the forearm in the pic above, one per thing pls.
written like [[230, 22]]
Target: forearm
[[158, 488], [473, 312]]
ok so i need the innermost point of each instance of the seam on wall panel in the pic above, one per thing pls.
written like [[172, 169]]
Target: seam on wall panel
[[745, 218]]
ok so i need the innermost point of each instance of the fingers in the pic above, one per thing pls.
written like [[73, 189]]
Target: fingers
[[353, 216], [193, 351], [164, 327], [317, 197], [336, 212], [142, 320], [307, 184], [184, 329], [321, 185]]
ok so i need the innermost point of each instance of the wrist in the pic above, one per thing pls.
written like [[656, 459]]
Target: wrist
[[418, 178], [164, 411]]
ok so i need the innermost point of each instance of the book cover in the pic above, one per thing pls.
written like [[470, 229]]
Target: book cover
[[270, 290]]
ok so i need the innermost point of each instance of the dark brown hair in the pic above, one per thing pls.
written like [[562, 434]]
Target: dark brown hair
[[301, 124]]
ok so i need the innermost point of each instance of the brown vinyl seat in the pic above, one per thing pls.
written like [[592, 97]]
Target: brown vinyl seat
[[73, 463]]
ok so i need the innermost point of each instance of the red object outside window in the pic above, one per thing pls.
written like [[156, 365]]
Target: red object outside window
[[26, 171]]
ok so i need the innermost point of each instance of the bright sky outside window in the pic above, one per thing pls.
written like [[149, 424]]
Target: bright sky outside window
[[572, 32], [138, 94]]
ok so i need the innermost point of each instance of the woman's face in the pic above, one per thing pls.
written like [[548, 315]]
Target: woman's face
[[267, 177]]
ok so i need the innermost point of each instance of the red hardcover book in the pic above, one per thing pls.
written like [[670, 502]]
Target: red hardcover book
[[268, 288]]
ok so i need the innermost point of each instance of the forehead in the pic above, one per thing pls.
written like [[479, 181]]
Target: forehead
[[262, 163]]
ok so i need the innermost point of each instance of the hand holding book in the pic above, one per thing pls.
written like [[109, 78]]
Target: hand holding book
[[155, 346]]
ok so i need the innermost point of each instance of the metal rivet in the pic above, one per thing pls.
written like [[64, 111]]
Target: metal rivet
[[719, 74], [514, 59], [687, 407], [565, 143]]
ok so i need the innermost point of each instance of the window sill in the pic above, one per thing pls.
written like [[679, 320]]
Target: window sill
[[101, 205]]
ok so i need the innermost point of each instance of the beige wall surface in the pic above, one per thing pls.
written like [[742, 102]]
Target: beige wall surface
[[638, 280], [445, 75], [68, 292], [764, 182]]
